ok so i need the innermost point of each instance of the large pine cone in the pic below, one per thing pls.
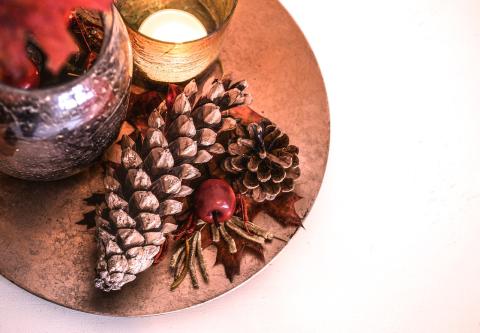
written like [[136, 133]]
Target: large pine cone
[[262, 161], [145, 188]]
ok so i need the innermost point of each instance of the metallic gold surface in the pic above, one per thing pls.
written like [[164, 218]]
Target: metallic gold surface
[[176, 62], [46, 253]]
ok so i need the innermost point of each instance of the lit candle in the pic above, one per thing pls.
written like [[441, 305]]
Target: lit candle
[[173, 25], [175, 45]]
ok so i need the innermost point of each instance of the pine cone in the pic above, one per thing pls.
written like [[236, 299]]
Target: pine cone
[[262, 161], [225, 93], [145, 188]]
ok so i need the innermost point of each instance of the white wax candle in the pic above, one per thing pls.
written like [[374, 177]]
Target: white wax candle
[[173, 25]]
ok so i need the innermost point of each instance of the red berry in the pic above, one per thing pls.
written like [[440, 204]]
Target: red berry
[[214, 201]]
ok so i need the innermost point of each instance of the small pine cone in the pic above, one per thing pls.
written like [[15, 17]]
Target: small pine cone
[[262, 161], [146, 187]]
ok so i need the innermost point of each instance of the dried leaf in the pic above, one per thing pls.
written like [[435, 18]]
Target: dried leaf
[[162, 254], [282, 209], [87, 28], [246, 114], [140, 107], [89, 217], [47, 22], [173, 91]]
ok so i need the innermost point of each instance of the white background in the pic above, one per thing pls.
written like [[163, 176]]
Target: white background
[[393, 242]]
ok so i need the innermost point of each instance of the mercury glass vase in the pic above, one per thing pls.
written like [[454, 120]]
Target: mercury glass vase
[[160, 61], [53, 133]]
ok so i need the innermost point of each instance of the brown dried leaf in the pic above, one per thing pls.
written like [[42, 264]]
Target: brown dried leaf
[[282, 209], [94, 200], [140, 107]]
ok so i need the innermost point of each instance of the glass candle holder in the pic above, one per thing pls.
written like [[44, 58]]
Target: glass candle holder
[[159, 60], [53, 133]]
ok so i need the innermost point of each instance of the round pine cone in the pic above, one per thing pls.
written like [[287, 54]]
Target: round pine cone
[[262, 161]]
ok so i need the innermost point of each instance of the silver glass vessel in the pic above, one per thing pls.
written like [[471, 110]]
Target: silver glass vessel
[[53, 133]]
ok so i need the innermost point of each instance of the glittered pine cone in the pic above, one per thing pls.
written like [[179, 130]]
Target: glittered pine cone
[[148, 185], [261, 161]]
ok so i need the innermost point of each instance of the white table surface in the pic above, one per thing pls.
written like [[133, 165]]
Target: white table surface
[[392, 243]]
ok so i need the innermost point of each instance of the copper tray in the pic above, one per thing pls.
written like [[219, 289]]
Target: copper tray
[[45, 252]]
